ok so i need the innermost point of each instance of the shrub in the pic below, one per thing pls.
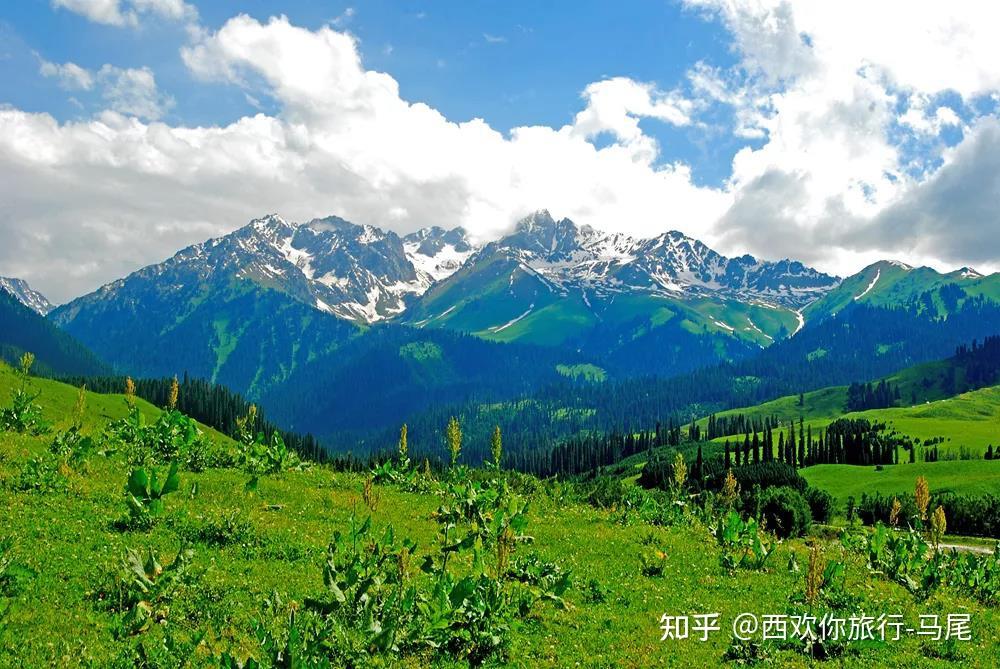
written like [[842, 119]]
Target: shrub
[[23, 415], [821, 504], [784, 511], [43, 473]]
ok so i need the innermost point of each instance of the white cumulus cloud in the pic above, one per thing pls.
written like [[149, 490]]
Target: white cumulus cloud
[[91, 200], [820, 89], [825, 83], [131, 91], [128, 12]]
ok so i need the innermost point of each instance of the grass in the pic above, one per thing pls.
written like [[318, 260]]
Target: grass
[[972, 477], [69, 540]]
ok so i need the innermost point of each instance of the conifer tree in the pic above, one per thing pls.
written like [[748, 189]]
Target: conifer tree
[[699, 465]]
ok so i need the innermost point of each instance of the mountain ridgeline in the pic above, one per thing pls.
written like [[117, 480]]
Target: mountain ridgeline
[[555, 329], [24, 329]]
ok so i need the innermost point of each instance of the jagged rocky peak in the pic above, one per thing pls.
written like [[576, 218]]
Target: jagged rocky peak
[[437, 253], [431, 240], [542, 235], [26, 295], [568, 255]]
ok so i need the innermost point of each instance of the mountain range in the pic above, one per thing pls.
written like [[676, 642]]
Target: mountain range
[[369, 323]]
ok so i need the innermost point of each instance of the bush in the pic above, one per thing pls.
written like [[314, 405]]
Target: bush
[[821, 504], [784, 511]]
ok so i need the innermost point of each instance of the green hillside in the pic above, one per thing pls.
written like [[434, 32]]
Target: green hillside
[[502, 300], [970, 420], [889, 283], [58, 400], [56, 352], [971, 477], [254, 571]]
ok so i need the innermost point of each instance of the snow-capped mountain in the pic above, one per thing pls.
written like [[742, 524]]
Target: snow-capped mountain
[[568, 255], [894, 283], [356, 272], [553, 282], [26, 295], [437, 253]]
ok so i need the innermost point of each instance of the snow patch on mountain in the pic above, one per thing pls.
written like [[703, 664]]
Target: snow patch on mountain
[[501, 328], [26, 295], [878, 275]]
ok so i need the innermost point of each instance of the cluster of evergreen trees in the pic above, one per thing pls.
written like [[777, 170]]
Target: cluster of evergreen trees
[[844, 441], [727, 426], [864, 396], [584, 454], [981, 362]]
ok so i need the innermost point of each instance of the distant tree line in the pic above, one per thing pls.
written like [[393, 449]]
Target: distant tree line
[[865, 396], [588, 453], [560, 412]]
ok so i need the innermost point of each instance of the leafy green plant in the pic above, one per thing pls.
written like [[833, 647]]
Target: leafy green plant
[[975, 575], [744, 544], [73, 447], [23, 415], [261, 457], [43, 473], [370, 602], [907, 558], [543, 580], [144, 493], [171, 437], [145, 587]]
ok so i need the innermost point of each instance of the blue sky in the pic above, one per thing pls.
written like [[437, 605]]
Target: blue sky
[[783, 128], [478, 59]]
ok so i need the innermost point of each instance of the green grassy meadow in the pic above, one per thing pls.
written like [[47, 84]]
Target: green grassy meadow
[[970, 477], [274, 552]]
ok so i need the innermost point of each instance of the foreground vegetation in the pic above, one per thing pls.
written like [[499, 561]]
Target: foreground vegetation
[[135, 537]]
